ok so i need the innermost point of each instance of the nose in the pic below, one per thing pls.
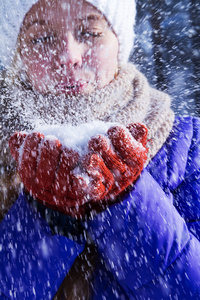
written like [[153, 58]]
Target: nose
[[70, 54]]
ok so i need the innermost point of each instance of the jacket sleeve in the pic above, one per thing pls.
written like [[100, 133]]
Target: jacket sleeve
[[187, 193], [147, 244], [33, 260]]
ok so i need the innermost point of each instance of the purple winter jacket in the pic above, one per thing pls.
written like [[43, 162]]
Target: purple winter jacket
[[149, 242]]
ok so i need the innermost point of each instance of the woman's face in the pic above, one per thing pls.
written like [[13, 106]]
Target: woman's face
[[67, 47]]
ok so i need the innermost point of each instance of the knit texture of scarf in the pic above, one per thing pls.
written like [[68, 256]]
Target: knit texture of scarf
[[128, 98]]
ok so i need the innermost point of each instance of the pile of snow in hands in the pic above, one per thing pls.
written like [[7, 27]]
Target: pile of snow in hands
[[75, 137]]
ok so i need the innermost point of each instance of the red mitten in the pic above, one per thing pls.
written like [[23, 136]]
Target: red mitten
[[37, 160], [62, 180], [124, 153], [55, 175]]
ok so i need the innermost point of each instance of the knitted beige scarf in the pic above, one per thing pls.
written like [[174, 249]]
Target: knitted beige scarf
[[128, 98]]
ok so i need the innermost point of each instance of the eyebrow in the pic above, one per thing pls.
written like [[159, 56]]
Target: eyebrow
[[92, 17], [40, 22]]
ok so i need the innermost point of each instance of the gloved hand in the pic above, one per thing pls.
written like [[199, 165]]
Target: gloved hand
[[124, 152], [55, 175], [62, 180]]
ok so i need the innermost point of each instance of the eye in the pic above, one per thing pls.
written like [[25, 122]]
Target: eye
[[88, 34], [43, 40]]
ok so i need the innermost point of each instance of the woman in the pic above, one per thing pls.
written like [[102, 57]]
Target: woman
[[124, 233]]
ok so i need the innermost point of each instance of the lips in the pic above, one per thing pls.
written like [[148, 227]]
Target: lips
[[71, 88]]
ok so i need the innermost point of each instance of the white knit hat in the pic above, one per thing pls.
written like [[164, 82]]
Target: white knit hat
[[120, 14]]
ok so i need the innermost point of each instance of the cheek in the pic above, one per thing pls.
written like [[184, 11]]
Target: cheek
[[104, 61], [37, 69]]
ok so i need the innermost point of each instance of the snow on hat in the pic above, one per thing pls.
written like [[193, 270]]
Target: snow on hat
[[12, 13], [120, 14]]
